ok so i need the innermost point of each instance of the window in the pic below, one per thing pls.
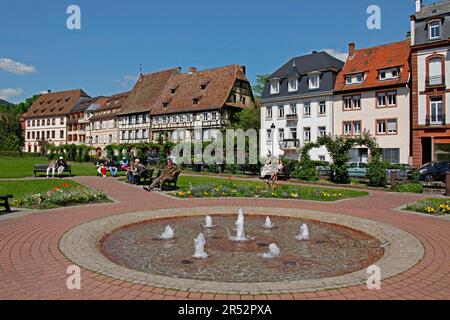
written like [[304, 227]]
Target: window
[[28, 123], [280, 134], [293, 109], [392, 98], [37, 135], [314, 81], [53, 122], [48, 122], [435, 74], [352, 103], [61, 134], [274, 87], [321, 158], [357, 127], [322, 131], [352, 128], [33, 123], [292, 85], [196, 101], [214, 116], [387, 126], [294, 133], [385, 99], [181, 135], [391, 155], [436, 111], [28, 135], [307, 134], [434, 29], [354, 78], [281, 112], [53, 134], [322, 108], [389, 74], [307, 110]]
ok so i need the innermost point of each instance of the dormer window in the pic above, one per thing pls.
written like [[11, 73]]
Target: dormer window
[[354, 78], [196, 101], [434, 29], [173, 90], [293, 85], [314, 81], [165, 105], [389, 74], [274, 87]]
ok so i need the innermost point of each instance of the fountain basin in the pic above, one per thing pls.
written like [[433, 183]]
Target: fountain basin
[[82, 246]]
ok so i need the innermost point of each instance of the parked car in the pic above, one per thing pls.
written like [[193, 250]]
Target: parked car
[[153, 159], [434, 171], [357, 170], [404, 171]]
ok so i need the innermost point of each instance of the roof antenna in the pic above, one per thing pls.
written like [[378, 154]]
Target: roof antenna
[[140, 69]]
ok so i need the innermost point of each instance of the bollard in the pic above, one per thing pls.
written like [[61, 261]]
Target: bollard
[[393, 180], [447, 185]]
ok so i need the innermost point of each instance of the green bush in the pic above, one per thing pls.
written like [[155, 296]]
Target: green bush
[[410, 187], [376, 172], [415, 177]]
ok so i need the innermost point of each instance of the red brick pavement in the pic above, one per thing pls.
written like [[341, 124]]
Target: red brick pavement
[[32, 267]]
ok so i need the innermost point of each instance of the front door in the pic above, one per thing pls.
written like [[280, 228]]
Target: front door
[[426, 150]]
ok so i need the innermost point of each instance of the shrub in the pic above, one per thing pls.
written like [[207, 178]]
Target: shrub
[[410, 187], [376, 171], [415, 177]]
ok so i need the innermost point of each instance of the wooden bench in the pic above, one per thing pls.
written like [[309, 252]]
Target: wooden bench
[[5, 202], [145, 178], [42, 168]]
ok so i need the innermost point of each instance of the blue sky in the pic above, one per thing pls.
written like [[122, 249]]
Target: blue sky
[[38, 52]]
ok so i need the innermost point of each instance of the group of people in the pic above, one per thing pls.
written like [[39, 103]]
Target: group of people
[[103, 166], [56, 166], [135, 171]]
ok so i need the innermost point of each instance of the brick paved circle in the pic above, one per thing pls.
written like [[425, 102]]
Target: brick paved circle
[[33, 267], [82, 246]]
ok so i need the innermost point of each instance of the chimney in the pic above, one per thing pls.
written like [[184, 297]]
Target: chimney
[[408, 35], [314, 52], [418, 5], [192, 69], [351, 50], [49, 91], [244, 70]]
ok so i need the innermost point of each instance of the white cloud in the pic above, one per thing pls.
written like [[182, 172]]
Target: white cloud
[[126, 81], [12, 66], [337, 54], [8, 93]]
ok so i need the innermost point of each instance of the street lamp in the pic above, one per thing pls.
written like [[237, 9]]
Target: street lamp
[[273, 137]]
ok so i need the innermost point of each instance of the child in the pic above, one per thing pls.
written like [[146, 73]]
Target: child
[[103, 170]]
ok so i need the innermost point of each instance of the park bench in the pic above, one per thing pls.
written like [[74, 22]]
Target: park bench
[[5, 202], [171, 185], [42, 168], [146, 177]]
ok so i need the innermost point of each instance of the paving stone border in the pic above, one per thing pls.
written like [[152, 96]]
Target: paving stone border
[[81, 246]]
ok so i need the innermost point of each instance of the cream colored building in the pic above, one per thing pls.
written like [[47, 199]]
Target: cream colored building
[[372, 93]]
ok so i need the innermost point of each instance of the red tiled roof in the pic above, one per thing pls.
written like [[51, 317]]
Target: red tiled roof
[[147, 91], [370, 61], [116, 101], [55, 103], [210, 87]]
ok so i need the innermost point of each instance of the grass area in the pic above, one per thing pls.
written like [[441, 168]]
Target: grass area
[[20, 188], [23, 167], [432, 206], [202, 187]]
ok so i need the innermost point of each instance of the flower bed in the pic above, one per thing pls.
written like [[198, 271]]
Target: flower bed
[[431, 206], [60, 196], [233, 190]]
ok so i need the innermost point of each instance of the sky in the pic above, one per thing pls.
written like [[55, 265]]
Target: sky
[[39, 53]]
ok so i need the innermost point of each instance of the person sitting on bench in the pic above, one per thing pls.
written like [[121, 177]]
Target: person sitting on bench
[[61, 166], [167, 175], [52, 168], [112, 167]]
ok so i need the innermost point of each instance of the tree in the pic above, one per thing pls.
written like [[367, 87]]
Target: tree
[[258, 88], [24, 106], [248, 118]]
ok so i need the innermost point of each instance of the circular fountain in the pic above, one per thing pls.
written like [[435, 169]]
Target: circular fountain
[[329, 250]]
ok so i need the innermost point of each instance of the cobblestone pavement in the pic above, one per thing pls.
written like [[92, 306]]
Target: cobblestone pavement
[[32, 266]]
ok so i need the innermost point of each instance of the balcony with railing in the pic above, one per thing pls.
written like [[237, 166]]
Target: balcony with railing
[[292, 117], [435, 120], [290, 144], [435, 81]]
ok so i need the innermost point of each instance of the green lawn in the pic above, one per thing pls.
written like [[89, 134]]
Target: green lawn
[[183, 181], [20, 188], [23, 167]]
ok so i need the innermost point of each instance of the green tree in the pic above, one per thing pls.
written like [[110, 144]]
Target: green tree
[[258, 88], [248, 118]]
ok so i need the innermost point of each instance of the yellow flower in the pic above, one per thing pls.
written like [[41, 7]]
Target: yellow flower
[[294, 195]]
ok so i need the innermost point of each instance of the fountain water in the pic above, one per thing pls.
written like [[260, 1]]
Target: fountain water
[[240, 233], [208, 222], [304, 233], [274, 252], [167, 234], [200, 247], [268, 224]]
